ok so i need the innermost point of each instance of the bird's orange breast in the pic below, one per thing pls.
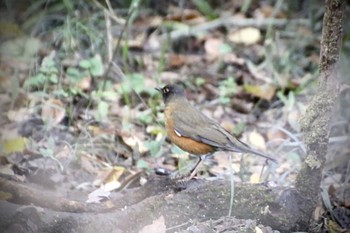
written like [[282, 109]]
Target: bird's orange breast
[[185, 143]]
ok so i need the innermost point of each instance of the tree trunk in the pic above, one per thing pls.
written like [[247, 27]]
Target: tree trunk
[[315, 122]]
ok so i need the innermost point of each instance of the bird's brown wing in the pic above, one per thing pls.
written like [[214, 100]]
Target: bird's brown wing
[[189, 122]]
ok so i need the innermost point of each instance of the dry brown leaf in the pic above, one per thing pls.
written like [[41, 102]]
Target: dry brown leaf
[[318, 213], [5, 82], [293, 119], [184, 15], [169, 76], [267, 11], [273, 134], [84, 83], [246, 36], [176, 60], [88, 164], [19, 114], [7, 170], [97, 130], [109, 174], [53, 112], [135, 142], [233, 59]]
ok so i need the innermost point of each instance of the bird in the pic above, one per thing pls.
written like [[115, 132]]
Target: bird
[[194, 132]]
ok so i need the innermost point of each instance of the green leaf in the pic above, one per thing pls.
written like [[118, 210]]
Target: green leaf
[[227, 88], [73, 74], [177, 150], [174, 25], [110, 95], [204, 7], [102, 110], [142, 164], [35, 81], [46, 152], [53, 78], [47, 63], [199, 81], [96, 67], [145, 116], [224, 100], [134, 82], [239, 128], [154, 147], [85, 64], [225, 49]]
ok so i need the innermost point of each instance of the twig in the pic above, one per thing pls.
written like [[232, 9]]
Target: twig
[[232, 22], [110, 13], [109, 37]]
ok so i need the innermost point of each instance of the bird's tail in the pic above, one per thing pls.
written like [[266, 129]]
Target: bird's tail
[[239, 146]]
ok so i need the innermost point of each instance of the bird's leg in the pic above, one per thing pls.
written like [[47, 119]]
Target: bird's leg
[[197, 165], [189, 175]]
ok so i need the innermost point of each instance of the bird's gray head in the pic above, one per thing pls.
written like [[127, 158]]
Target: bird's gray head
[[171, 91]]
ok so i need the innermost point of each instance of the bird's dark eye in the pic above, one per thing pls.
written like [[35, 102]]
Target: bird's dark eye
[[166, 90]]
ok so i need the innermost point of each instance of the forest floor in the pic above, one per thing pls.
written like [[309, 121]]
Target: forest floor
[[81, 118]]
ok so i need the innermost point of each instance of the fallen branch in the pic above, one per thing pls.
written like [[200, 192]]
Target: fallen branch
[[231, 22], [178, 203]]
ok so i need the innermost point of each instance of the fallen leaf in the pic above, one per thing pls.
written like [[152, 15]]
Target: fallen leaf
[[266, 91], [53, 112], [257, 140], [246, 36], [184, 15], [258, 230], [5, 82], [135, 142], [212, 46], [20, 114], [14, 145], [109, 174], [275, 135], [113, 185], [176, 60], [88, 164], [255, 178], [84, 83], [268, 11], [7, 170], [232, 58], [293, 119], [98, 195]]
